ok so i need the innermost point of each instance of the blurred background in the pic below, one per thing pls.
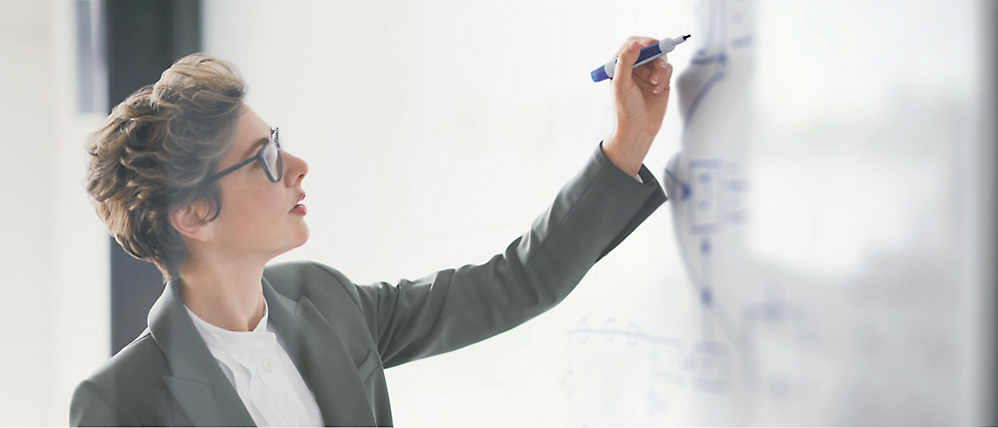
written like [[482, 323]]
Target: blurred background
[[825, 257]]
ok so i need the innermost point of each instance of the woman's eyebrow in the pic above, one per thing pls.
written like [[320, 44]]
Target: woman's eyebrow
[[255, 146]]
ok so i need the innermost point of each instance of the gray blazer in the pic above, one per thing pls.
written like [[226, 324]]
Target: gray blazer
[[342, 336]]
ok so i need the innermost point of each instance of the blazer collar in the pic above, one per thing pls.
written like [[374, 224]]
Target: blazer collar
[[322, 359], [197, 382], [207, 396]]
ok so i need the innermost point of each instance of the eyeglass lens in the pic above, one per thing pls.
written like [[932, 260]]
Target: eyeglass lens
[[271, 159]]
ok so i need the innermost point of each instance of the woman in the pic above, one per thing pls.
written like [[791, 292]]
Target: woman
[[188, 177]]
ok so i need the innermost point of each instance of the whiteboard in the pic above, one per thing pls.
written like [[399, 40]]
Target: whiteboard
[[824, 253]]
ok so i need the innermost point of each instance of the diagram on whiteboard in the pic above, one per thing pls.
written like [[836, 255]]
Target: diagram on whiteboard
[[706, 182], [821, 292]]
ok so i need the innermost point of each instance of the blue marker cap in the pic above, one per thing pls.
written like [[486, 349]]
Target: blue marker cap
[[599, 74]]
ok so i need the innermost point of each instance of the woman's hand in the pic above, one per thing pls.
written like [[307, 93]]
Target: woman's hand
[[640, 97]]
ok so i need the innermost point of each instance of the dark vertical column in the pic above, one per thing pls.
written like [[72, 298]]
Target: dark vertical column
[[143, 39], [990, 110]]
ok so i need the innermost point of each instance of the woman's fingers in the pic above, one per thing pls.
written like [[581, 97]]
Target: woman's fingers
[[661, 75], [645, 72], [665, 84], [652, 73], [623, 73]]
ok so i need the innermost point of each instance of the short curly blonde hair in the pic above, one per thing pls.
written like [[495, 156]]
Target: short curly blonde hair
[[155, 152]]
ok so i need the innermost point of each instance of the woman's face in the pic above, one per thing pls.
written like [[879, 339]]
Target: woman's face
[[259, 218]]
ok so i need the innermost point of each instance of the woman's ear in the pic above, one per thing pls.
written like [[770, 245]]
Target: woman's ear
[[192, 221]]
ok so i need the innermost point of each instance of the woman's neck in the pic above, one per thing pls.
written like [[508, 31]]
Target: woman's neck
[[224, 294]]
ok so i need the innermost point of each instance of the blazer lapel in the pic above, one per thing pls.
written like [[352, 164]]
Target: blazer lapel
[[197, 382], [322, 359]]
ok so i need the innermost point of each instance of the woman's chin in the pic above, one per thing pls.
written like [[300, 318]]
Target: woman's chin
[[303, 236], [300, 238]]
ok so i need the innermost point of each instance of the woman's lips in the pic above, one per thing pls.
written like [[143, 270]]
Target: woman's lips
[[300, 208]]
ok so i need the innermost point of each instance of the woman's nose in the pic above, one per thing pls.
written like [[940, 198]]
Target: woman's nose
[[295, 168]]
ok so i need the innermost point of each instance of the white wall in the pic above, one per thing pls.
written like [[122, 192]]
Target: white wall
[[54, 301]]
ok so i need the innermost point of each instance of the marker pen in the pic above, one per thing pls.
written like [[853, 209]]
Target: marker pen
[[648, 53]]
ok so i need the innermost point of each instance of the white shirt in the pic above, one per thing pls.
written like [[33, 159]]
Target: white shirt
[[259, 367]]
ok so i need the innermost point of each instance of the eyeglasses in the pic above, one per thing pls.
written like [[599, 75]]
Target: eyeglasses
[[269, 157]]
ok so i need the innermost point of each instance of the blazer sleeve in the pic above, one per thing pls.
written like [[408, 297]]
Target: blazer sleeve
[[453, 308], [93, 406]]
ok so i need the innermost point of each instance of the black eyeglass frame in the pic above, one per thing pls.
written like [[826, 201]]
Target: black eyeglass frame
[[276, 141]]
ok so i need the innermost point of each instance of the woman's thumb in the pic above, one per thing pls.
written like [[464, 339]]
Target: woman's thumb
[[625, 64]]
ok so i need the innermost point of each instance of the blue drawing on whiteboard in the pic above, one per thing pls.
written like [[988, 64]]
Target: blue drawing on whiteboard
[[709, 362], [685, 189], [712, 56], [703, 211], [703, 365], [708, 188]]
